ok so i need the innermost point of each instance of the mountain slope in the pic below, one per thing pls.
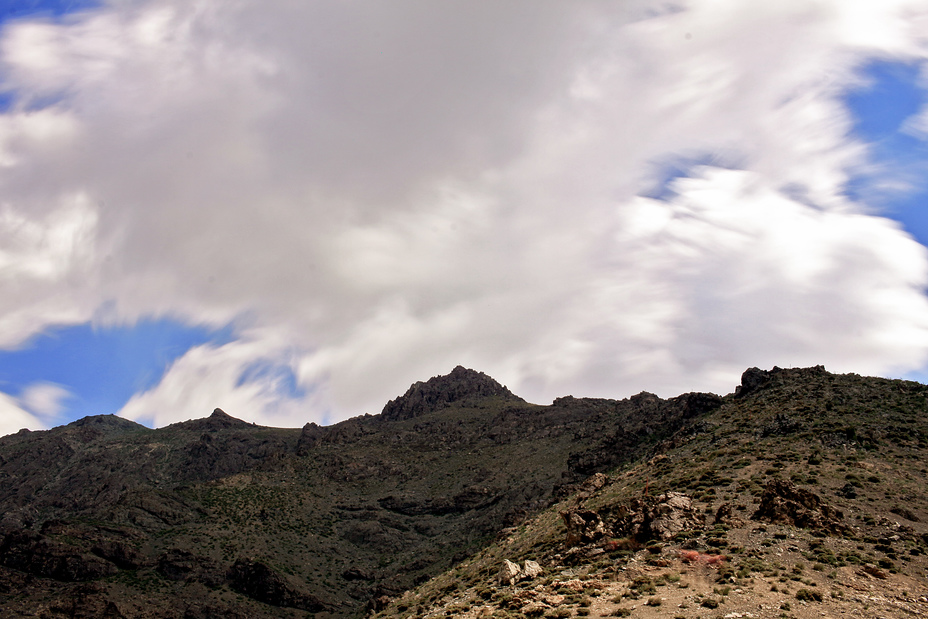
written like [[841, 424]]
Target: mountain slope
[[218, 517], [802, 495]]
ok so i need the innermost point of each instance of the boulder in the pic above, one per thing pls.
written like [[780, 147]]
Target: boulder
[[509, 572], [531, 569]]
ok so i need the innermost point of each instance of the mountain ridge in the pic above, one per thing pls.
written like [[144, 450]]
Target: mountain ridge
[[219, 517]]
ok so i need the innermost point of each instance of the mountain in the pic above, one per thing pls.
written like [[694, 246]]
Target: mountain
[[413, 512], [803, 495]]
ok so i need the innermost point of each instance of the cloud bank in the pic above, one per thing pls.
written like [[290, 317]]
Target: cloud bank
[[374, 193]]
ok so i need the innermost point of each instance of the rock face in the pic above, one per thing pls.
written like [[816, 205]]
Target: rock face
[[660, 517], [261, 583], [784, 503], [751, 380], [440, 391], [32, 553], [583, 526]]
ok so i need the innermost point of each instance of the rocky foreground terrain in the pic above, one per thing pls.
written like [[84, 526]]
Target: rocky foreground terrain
[[803, 494]]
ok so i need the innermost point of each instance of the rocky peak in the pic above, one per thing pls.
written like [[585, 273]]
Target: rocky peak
[[440, 391], [219, 420]]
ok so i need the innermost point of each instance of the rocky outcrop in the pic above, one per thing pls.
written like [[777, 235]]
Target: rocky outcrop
[[440, 391], [218, 420], [784, 503], [659, 518], [261, 583], [725, 515], [121, 554], [33, 553], [87, 601], [751, 380], [583, 526], [181, 565], [472, 497], [310, 436]]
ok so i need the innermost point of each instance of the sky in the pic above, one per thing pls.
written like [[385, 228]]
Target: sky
[[294, 210]]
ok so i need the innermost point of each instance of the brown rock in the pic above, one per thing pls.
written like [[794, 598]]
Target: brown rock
[[583, 526], [509, 572], [784, 503], [725, 515], [531, 569], [660, 517]]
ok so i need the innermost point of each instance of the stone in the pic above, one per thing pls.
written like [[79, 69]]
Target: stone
[[531, 569], [659, 518], [583, 526], [509, 572]]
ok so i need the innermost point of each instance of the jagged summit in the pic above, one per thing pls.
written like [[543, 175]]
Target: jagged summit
[[440, 391], [755, 379], [218, 420]]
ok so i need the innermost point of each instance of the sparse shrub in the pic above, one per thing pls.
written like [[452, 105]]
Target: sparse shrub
[[808, 595], [654, 601]]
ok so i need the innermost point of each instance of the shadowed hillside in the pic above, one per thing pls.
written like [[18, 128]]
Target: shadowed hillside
[[218, 517]]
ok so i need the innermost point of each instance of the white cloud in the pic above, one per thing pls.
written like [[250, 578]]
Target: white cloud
[[44, 399], [14, 418], [210, 376], [388, 190]]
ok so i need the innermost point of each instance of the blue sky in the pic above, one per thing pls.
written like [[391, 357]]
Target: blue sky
[[101, 367], [893, 93], [293, 212]]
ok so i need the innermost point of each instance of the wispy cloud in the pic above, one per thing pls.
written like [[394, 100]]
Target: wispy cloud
[[45, 400], [376, 192], [14, 418]]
